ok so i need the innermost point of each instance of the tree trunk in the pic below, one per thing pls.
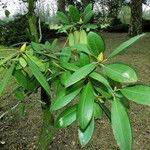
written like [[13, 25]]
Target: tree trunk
[[136, 18], [47, 129], [61, 5]]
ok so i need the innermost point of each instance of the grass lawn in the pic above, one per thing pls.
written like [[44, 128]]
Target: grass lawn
[[22, 133]]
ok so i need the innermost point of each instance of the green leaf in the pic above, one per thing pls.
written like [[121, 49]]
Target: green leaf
[[48, 45], [67, 117], [7, 13], [71, 39], [36, 46], [120, 73], [83, 37], [95, 43], [125, 45], [139, 94], [91, 26], [121, 125], [5, 78], [82, 48], [86, 106], [84, 59], [64, 77], [62, 17], [54, 44], [98, 112], [100, 78], [39, 76], [88, 17], [67, 51], [80, 74], [63, 101], [88, 8], [3, 61], [19, 94], [76, 37], [85, 136], [22, 62], [70, 66], [74, 13]]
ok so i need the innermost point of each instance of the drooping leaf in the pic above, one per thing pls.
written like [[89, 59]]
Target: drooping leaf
[[80, 74], [95, 43], [6, 77], [63, 101], [125, 45], [139, 94], [67, 117], [74, 13], [76, 37], [82, 48], [88, 17], [120, 73], [85, 136], [70, 66], [39, 76], [98, 112], [86, 106], [121, 125], [7, 13], [62, 17], [64, 77]]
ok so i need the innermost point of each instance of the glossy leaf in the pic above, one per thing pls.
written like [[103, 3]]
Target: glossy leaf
[[96, 43], [70, 66], [63, 101], [5, 78], [120, 73], [64, 77], [85, 136], [80, 74], [39, 76], [22, 62], [84, 59], [62, 17], [125, 45], [121, 125], [98, 112], [139, 94], [74, 13], [88, 8], [86, 106], [67, 117]]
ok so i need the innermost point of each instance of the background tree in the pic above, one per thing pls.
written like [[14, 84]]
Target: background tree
[[136, 18]]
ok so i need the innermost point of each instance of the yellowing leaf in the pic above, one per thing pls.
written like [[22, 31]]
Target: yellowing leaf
[[100, 57], [23, 47]]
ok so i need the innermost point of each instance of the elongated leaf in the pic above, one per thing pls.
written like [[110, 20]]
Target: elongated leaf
[[83, 37], [99, 78], [39, 76], [121, 125], [3, 61], [85, 136], [88, 17], [62, 17], [19, 94], [80, 74], [67, 117], [82, 48], [120, 73], [88, 8], [96, 43], [63, 101], [98, 112], [86, 106], [74, 13], [125, 45], [76, 37], [71, 39], [139, 94], [64, 77], [5, 78], [70, 66], [91, 26], [67, 51], [22, 62]]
